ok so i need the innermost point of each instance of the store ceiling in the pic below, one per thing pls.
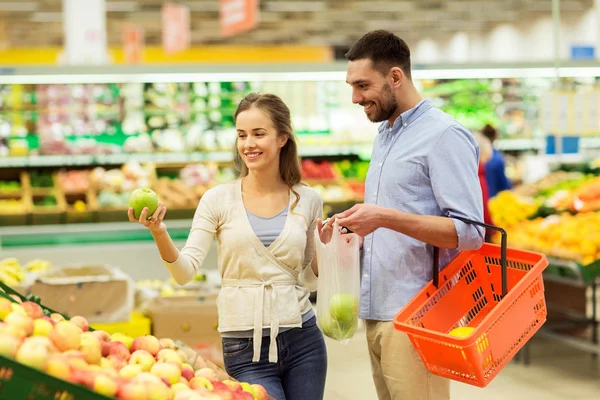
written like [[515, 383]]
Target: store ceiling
[[319, 22]]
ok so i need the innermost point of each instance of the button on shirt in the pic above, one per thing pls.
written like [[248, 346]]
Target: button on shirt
[[425, 164]]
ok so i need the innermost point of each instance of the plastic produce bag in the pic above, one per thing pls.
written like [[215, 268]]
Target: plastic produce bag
[[338, 288]]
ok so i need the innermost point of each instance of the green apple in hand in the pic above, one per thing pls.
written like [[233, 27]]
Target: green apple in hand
[[143, 197], [344, 308]]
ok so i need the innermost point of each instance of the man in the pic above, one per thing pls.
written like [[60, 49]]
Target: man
[[423, 170]]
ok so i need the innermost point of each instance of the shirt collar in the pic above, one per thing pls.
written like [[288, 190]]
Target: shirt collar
[[407, 117]]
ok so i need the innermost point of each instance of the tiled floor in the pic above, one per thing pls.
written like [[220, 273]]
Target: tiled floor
[[555, 372]]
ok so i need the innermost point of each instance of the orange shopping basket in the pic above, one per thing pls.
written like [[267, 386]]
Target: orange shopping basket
[[466, 293]]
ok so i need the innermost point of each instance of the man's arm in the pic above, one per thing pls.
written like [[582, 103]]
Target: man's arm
[[436, 231], [453, 171]]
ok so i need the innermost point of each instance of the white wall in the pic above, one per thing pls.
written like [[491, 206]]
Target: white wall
[[526, 41]]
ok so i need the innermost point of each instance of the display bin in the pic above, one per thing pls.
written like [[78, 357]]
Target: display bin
[[20, 382], [498, 292], [572, 269], [139, 325]]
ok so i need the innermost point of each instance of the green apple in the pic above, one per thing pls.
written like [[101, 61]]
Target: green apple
[[333, 329], [143, 197], [343, 308]]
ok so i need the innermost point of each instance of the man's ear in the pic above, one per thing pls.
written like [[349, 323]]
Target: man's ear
[[396, 76]]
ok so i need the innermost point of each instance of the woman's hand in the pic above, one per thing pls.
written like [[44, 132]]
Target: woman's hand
[[325, 231], [155, 224]]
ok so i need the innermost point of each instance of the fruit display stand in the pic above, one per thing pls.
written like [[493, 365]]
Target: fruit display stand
[[40, 346], [558, 216], [15, 198]]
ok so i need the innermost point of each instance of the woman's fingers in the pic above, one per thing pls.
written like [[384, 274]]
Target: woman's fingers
[[130, 215]]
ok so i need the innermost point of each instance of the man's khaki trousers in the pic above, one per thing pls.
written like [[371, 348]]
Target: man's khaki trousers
[[398, 372]]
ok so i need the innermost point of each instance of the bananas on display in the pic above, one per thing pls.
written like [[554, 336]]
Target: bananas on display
[[12, 273]]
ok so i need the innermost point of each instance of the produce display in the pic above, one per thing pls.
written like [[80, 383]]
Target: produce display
[[557, 216], [565, 236], [12, 272], [103, 193], [115, 366]]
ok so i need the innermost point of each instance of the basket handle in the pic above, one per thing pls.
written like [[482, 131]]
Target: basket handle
[[503, 262]]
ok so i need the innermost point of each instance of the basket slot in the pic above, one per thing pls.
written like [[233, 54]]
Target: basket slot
[[475, 314]]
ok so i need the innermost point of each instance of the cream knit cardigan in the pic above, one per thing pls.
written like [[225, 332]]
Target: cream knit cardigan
[[262, 287]]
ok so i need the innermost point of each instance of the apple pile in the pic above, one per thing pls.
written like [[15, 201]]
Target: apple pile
[[115, 366], [342, 320]]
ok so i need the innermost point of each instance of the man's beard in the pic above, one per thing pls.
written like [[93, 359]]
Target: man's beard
[[387, 106]]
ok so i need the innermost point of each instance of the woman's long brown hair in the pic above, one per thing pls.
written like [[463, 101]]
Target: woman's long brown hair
[[278, 111]]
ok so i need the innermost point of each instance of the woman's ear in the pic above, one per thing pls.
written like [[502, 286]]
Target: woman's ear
[[283, 140]]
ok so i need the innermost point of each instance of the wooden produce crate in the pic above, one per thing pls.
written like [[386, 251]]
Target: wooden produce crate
[[15, 202], [47, 214], [118, 213]]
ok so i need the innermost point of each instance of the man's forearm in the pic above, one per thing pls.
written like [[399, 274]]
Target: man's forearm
[[433, 230]]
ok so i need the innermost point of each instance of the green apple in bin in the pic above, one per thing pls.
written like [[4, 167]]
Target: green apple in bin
[[343, 308], [143, 197]]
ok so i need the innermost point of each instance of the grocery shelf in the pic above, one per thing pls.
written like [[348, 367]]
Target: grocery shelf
[[213, 156], [85, 233]]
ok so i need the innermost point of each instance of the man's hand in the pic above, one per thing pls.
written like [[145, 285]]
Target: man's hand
[[361, 219]]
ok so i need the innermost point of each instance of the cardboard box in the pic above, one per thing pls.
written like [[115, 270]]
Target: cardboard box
[[191, 319], [101, 294]]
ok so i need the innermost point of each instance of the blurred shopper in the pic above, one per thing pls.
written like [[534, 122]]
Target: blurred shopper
[[264, 223], [485, 154], [495, 167], [423, 169]]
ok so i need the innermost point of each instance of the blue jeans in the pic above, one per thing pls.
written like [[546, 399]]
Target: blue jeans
[[300, 371]]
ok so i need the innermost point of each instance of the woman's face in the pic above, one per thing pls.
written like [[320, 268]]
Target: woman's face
[[258, 143]]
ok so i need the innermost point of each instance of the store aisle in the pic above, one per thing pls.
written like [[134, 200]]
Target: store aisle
[[556, 372]]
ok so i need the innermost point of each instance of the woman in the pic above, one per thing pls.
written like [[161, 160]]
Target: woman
[[495, 166], [265, 226]]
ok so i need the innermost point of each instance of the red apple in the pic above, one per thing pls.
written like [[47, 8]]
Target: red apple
[[56, 317], [81, 322], [42, 327], [33, 310], [179, 387], [168, 355], [105, 385], [119, 337], [207, 373], [142, 358], [260, 393], [234, 386], [133, 391], [12, 330], [201, 382], [148, 343], [66, 336], [5, 307], [58, 366], [21, 322], [119, 350], [35, 351], [103, 336], [130, 370], [187, 371], [167, 370], [9, 345], [91, 348], [167, 343]]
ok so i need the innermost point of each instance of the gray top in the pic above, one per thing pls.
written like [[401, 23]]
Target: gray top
[[267, 230]]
